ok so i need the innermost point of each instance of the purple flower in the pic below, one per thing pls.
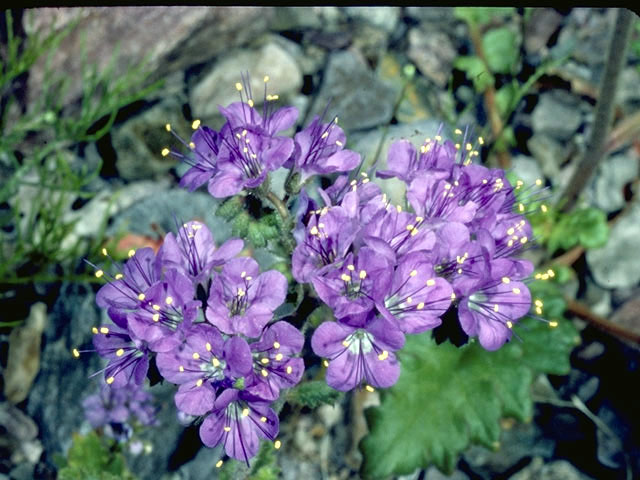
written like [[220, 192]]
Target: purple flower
[[319, 150], [118, 406], [128, 289], [353, 289], [167, 305], [327, 239], [205, 145], [238, 421], [417, 297], [494, 304], [202, 364], [249, 148], [194, 252], [274, 364], [405, 162], [128, 357], [242, 300], [359, 355], [433, 196]]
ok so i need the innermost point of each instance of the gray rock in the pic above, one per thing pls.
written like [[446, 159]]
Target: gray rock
[[171, 38], [296, 18], [218, 86], [432, 15], [557, 114], [433, 53], [556, 470], [607, 189], [359, 99], [628, 92], [598, 299], [385, 18], [588, 389], [615, 265], [549, 153], [434, 474]]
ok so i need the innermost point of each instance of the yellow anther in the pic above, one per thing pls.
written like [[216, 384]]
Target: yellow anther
[[384, 355], [195, 355], [238, 86], [325, 363], [119, 352], [104, 330], [538, 181], [453, 296], [104, 252], [516, 290], [544, 276], [511, 231], [264, 372], [510, 243], [414, 232], [431, 282], [362, 274], [110, 380], [351, 268], [94, 330], [399, 208], [419, 219], [215, 362], [245, 412], [195, 124], [484, 180], [521, 207], [553, 324], [277, 444], [181, 368], [438, 138], [339, 143], [99, 273], [208, 346], [314, 230], [324, 135], [509, 324], [199, 383], [156, 307], [413, 273], [227, 429], [345, 277], [250, 102], [265, 360], [481, 140], [263, 419], [167, 127], [279, 357], [168, 300], [219, 463], [276, 345], [410, 227], [75, 352], [538, 303], [539, 310], [495, 307], [457, 131], [345, 344], [369, 388], [457, 146], [544, 208], [523, 240], [141, 296], [118, 276], [131, 253], [469, 147], [192, 145], [289, 369], [420, 306], [505, 280], [265, 79]]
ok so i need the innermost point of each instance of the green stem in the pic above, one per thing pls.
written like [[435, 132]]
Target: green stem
[[278, 204], [603, 115]]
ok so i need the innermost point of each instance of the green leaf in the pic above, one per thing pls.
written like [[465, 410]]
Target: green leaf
[[475, 71], [587, 227], [265, 465], [481, 15], [500, 48], [313, 394], [506, 140], [448, 397], [91, 458], [504, 99]]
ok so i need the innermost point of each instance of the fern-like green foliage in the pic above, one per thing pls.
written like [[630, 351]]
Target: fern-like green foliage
[[41, 176]]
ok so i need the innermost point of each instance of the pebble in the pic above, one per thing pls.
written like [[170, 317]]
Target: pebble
[[218, 86], [607, 188], [557, 114], [433, 53], [385, 18], [555, 470], [616, 265]]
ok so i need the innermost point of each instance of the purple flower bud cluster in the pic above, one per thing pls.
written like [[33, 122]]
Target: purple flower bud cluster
[[387, 272], [205, 316], [115, 409]]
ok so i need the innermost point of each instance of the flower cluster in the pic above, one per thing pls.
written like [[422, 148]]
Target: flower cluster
[[114, 409], [387, 272], [205, 316]]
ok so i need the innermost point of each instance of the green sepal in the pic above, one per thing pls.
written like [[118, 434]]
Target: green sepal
[[313, 394]]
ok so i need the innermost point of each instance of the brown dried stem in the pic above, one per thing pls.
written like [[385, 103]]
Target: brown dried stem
[[583, 311]]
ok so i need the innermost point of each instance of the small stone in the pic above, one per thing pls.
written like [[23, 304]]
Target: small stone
[[432, 15], [385, 18], [598, 299], [433, 53], [218, 86], [589, 389], [557, 114], [434, 474], [556, 470], [358, 98], [616, 265], [628, 94], [549, 153], [527, 169], [330, 414], [614, 173], [539, 28]]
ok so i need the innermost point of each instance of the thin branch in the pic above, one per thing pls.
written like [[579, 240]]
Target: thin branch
[[583, 311], [603, 115]]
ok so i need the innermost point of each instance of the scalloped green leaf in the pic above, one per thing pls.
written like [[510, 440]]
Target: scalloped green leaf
[[448, 397]]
